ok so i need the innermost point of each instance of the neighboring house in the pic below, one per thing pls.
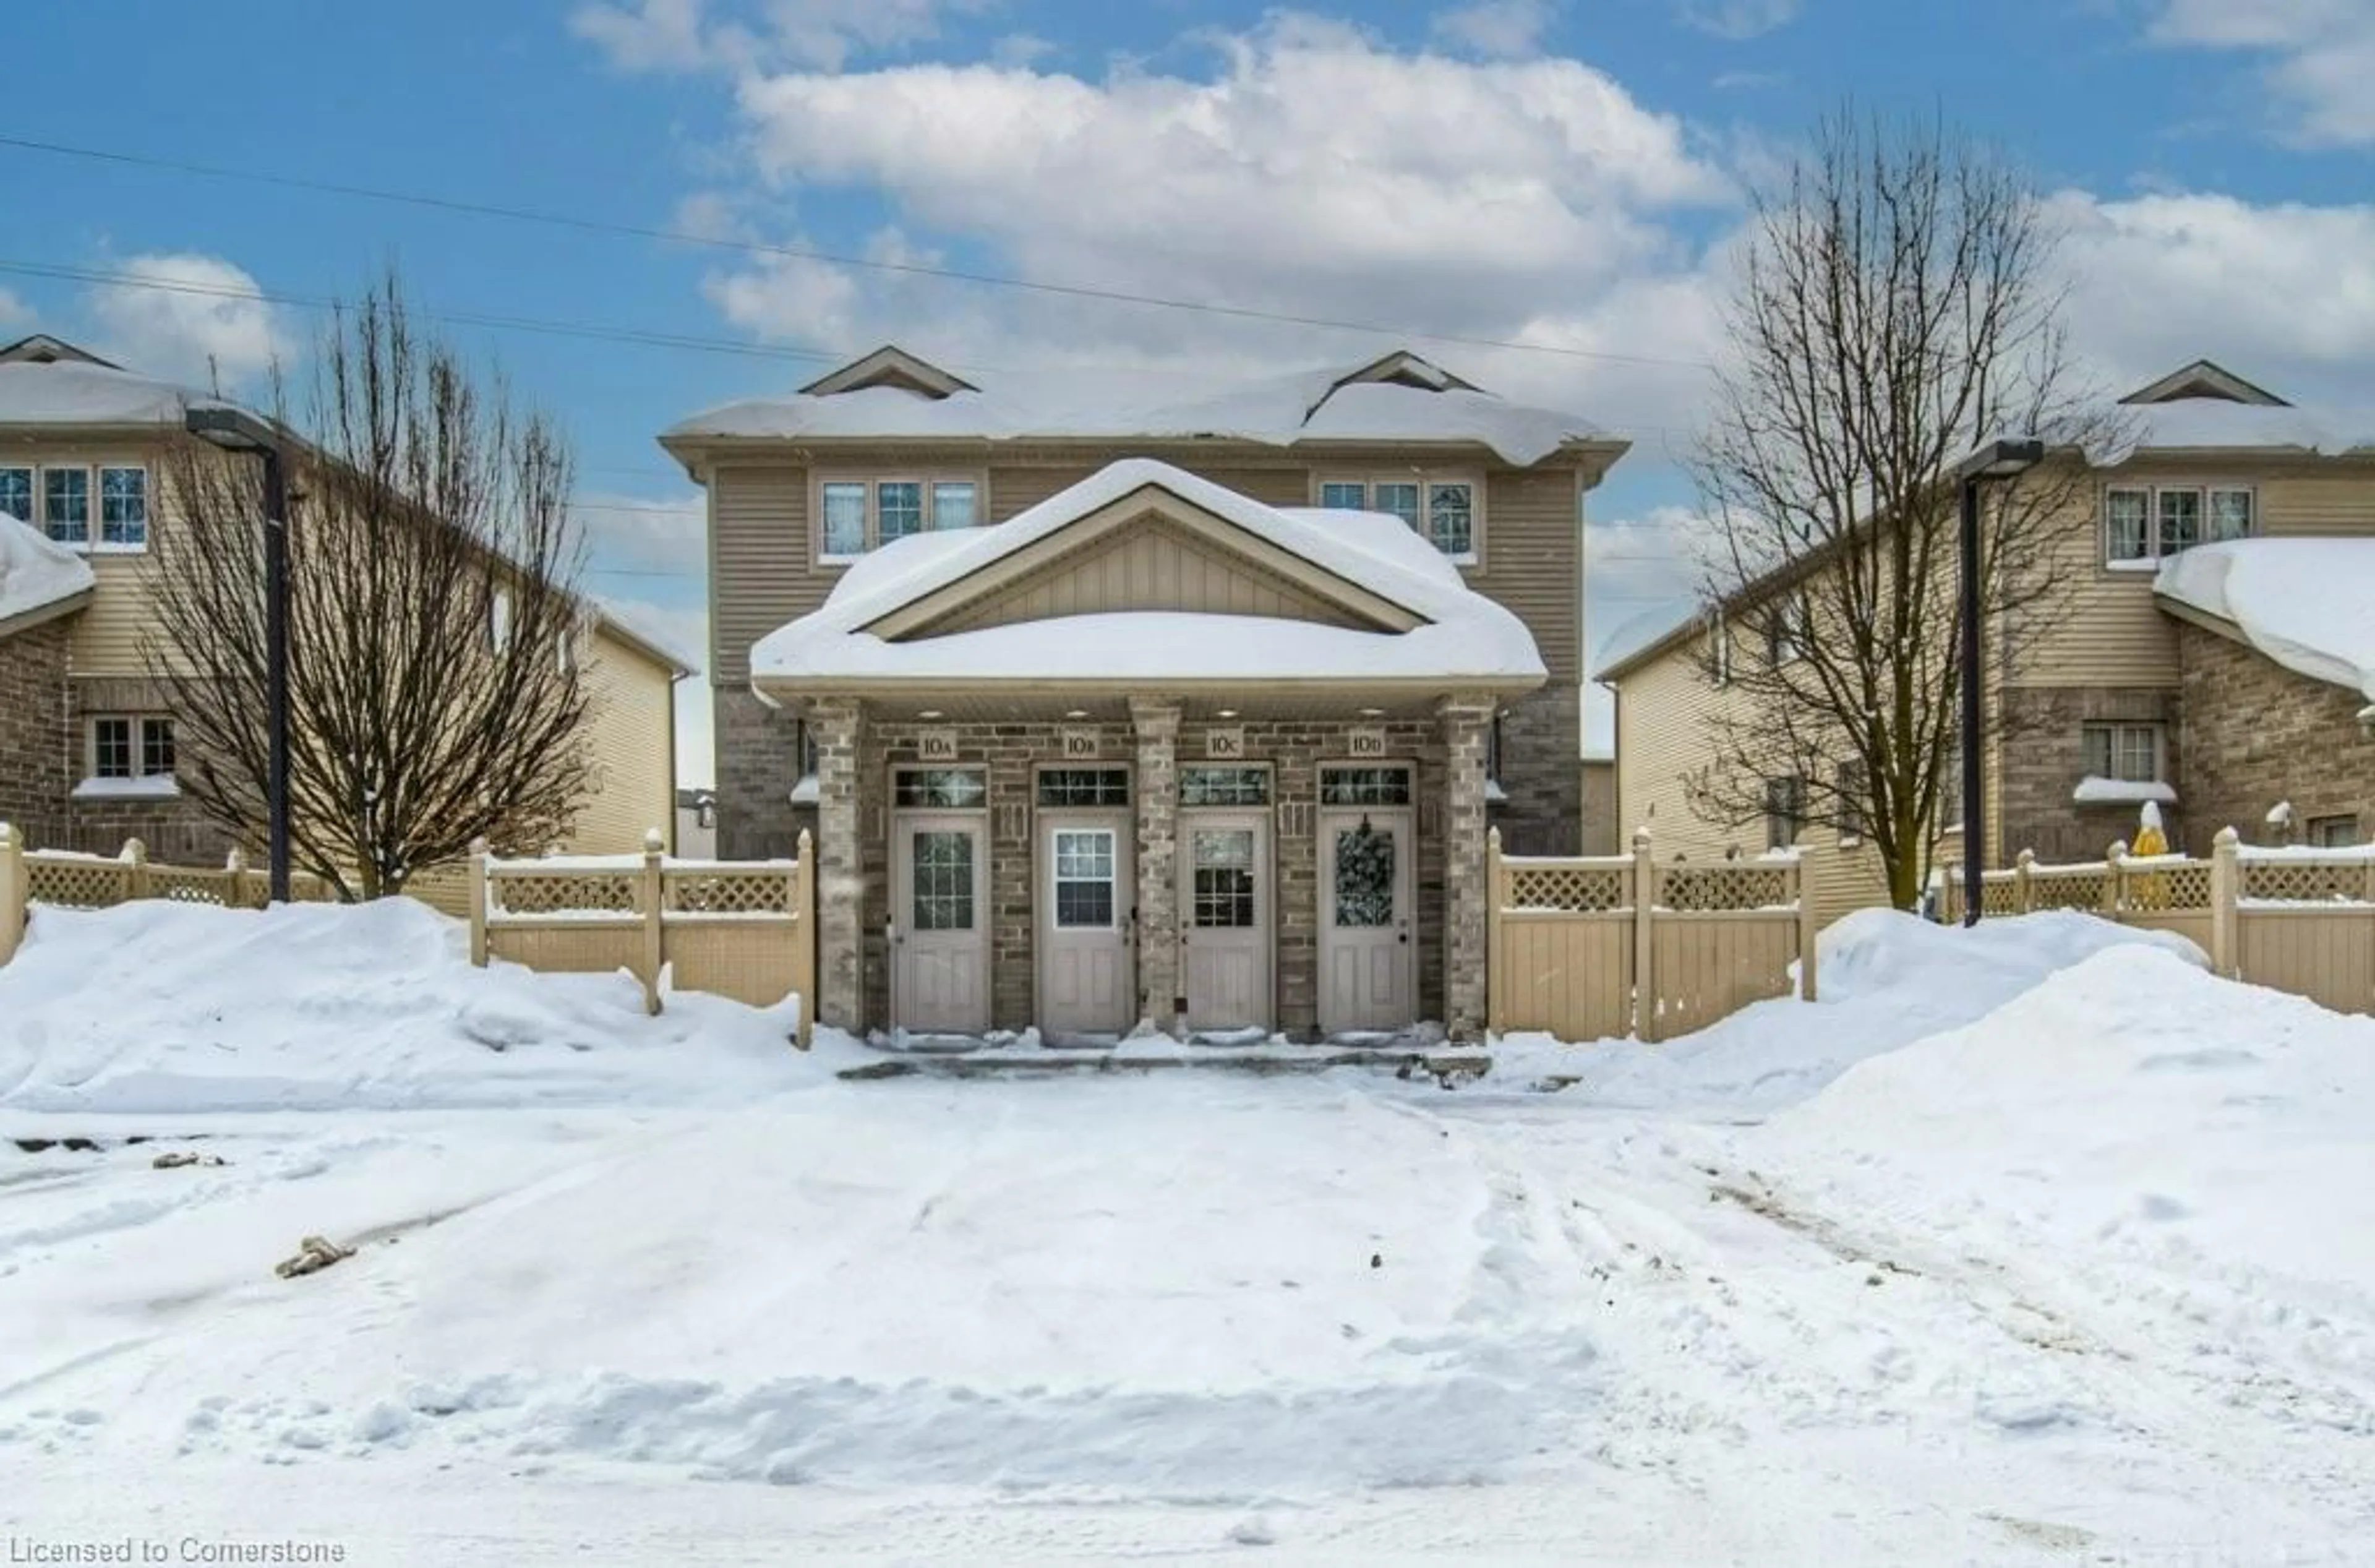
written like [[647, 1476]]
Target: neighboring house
[[1183, 712], [2132, 693], [1602, 834], [696, 824], [87, 739]]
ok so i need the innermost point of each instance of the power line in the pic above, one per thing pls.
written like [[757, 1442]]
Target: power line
[[804, 252]]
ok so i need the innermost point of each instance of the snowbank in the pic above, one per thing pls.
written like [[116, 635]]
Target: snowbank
[[156, 1007], [2308, 604], [35, 571], [2130, 1106], [1887, 979]]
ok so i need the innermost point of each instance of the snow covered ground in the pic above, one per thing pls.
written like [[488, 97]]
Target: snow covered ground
[[2035, 1243]]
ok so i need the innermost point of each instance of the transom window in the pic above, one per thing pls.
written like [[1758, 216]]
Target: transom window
[[860, 514], [1224, 786], [943, 880], [1085, 786], [1221, 860], [948, 788], [1443, 510], [1365, 786], [128, 746], [2144, 525], [1084, 879], [103, 508], [2129, 753]]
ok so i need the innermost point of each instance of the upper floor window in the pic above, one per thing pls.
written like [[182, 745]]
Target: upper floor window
[[1785, 811], [1789, 630], [86, 508], [2144, 525], [2127, 753], [1445, 511], [857, 516]]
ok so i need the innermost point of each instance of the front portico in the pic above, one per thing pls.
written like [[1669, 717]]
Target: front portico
[[1152, 756]]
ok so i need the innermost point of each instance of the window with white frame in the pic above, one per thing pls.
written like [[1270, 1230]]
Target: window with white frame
[[122, 508], [2129, 753], [856, 515], [1719, 640], [1785, 811], [1788, 629], [2144, 525], [131, 746], [2332, 833], [1445, 509], [1854, 812], [17, 494], [100, 508], [66, 505]]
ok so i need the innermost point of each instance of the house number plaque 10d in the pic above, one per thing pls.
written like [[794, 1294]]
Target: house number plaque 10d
[[936, 744]]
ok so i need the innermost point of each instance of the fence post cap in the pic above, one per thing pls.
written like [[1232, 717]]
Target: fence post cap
[[1640, 838], [134, 853], [236, 860], [2228, 839], [804, 841], [8, 833], [479, 845], [2119, 850], [1492, 839], [654, 840], [2025, 858]]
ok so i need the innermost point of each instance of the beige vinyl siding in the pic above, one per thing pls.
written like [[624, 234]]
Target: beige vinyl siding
[[1154, 569], [759, 572], [1531, 539], [630, 730], [2337, 504], [107, 634]]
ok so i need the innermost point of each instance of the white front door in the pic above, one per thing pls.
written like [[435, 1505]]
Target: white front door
[[1087, 983], [1367, 960], [939, 929], [1225, 920]]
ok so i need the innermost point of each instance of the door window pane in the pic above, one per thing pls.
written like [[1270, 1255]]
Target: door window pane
[[2125, 515], [844, 519], [66, 504], [898, 510], [1351, 497], [123, 507], [1085, 786], [1365, 786], [952, 506], [1450, 519], [1084, 879], [1224, 864], [1401, 500], [1364, 878], [1224, 786], [943, 885]]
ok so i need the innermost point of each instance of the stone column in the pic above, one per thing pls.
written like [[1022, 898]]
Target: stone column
[[1155, 721], [838, 725], [1466, 721]]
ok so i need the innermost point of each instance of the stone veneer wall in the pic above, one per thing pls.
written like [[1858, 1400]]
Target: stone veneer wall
[[2255, 734], [2045, 756], [1541, 737], [36, 733], [174, 831], [1013, 752], [757, 759]]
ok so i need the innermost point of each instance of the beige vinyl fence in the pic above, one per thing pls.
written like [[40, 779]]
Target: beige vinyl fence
[[2296, 920], [743, 928], [1605, 947], [64, 879]]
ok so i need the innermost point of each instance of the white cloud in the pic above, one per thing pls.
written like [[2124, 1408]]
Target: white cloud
[[1739, 19], [2320, 56], [1508, 29], [687, 35], [195, 318], [12, 311]]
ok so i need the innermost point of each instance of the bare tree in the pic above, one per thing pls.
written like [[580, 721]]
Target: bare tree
[[1897, 303], [436, 693]]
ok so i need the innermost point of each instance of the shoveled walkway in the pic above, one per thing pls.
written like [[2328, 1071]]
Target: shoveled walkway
[[1409, 1053]]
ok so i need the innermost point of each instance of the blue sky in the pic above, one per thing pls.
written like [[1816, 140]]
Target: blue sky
[[1564, 175]]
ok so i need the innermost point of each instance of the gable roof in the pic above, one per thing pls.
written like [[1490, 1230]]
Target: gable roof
[[2204, 406], [40, 349], [2203, 379], [1429, 626], [46, 381], [39, 579], [1397, 398]]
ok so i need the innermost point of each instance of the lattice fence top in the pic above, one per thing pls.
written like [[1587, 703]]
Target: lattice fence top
[[1569, 890], [1713, 888], [2084, 887], [2168, 887], [75, 883], [196, 887], [727, 893], [564, 893], [2001, 896], [2305, 881]]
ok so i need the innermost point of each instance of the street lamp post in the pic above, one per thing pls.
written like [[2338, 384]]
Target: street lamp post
[[1996, 461], [236, 429]]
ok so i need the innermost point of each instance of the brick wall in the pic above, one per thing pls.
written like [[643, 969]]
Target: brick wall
[[1542, 736], [34, 733], [2044, 758], [2255, 734], [174, 831], [758, 762]]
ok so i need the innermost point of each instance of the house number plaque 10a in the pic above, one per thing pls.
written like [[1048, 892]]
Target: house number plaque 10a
[[936, 744]]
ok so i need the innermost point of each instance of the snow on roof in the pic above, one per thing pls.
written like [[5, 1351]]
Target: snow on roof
[[2308, 604], [36, 571], [2208, 424], [1639, 634], [80, 392], [1464, 634], [1323, 404], [623, 620]]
